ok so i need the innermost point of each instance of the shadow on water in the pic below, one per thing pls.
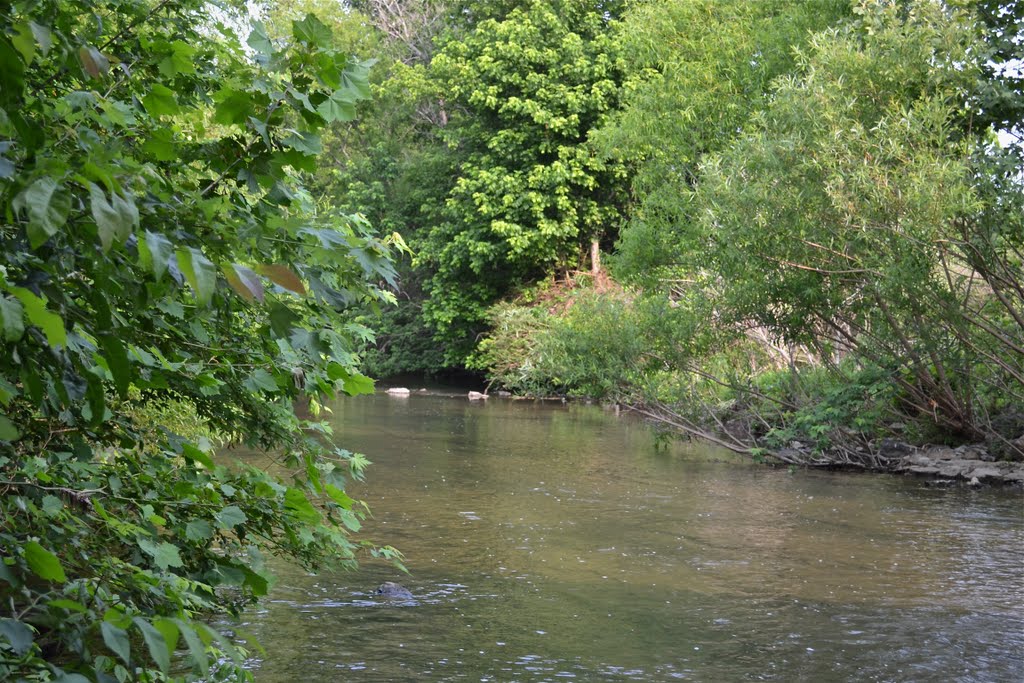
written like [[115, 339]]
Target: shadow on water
[[550, 542]]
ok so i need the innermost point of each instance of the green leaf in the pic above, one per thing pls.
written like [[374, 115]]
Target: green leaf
[[338, 107], [8, 430], [197, 455], [50, 323], [198, 530], [69, 605], [117, 360], [358, 384], [116, 639], [19, 635], [178, 61], [339, 496], [115, 219], [164, 554], [307, 143], [233, 106], [155, 642], [160, 101], [160, 145], [24, 41], [296, 501], [47, 205], [259, 40], [261, 379], [199, 271], [312, 31], [169, 630], [52, 505], [43, 563], [196, 649], [117, 617], [43, 36], [155, 253], [230, 517], [12, 318]]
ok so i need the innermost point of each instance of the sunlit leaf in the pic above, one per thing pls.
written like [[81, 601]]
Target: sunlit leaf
[[199, 272], [312, 31], [35, 310], [43, 563], [160, 101], [339, 106], [357, 384]]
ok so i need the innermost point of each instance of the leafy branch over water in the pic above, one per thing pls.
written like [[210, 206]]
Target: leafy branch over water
[[159, 247]]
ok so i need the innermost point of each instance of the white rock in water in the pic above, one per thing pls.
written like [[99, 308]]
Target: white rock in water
[[476, 396], [398, 391]]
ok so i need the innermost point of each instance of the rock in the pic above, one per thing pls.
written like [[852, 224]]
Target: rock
[[955, 469], [918, 469], [974, 482], [891, 448], [392, 590], [971, 452], [943, 453], [1017, 476], [398, 391], [986, 473], [476, 396], [919, 459], [504, 394]]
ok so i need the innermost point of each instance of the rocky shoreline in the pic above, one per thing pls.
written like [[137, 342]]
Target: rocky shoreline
[[972, 465]]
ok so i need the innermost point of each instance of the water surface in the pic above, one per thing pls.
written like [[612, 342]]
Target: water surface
[[550, 542]]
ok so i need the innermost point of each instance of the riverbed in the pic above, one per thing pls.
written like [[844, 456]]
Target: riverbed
[[551, 542]]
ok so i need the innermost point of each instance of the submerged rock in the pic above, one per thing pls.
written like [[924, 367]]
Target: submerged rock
[[390, 589]]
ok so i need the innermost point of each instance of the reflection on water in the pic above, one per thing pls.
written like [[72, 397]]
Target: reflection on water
[[551, 542]]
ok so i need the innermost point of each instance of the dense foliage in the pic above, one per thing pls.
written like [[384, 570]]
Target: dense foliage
[[526, 92], [158, 246], [846, 265]]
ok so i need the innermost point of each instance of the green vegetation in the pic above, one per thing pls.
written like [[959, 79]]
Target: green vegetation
[[847, 267], [166, 280], [760, 223]]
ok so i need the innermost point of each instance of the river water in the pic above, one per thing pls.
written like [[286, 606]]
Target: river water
[[549, 542]]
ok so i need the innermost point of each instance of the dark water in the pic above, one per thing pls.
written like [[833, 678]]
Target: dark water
[[550, 542]]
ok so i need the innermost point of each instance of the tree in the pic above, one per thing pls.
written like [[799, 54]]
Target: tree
[[158, 242], [850, 217], [697, 70], [525, 92]]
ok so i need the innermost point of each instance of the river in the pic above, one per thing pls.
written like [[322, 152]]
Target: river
[[549, 542]]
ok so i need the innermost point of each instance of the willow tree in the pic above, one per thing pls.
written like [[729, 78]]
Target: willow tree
[[159, 247], [697, 71], [852, 217]]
